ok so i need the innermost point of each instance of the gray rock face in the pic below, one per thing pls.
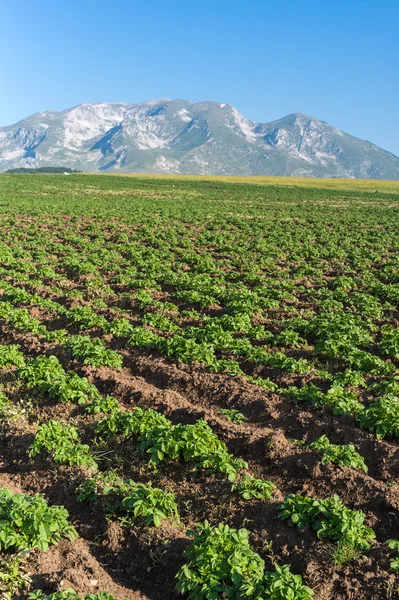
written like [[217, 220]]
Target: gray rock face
[[177, 136]]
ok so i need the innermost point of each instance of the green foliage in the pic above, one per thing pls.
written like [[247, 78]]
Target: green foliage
[[10, 356], [5, 406], [387, 386], [108, 405], [159, 321], [42, 373], [188, 350], [195, 443], [120, 328], [341, 401], [85, 317], [330, 518], [389, 343], [144, 299], [28, 522], [288, 337], [58, 335], [164, 441], [144, 338], [345, 455], [368, 363], [221, 564], [382, 416], [93, 352], [308, 393], [46, 375], [233, 415], [220, 560], [135, 422], [264, 382], [152, 504], [13, 576], [73, 388], [62, 441], [394, 562], [337, 334], [250, 487], [350, 377], [132, 500], [20, 319], [282, 585]]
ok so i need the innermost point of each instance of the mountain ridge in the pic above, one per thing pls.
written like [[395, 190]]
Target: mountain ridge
[[178, 136]]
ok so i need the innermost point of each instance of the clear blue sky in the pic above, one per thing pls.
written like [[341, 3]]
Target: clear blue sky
[[335, 60]]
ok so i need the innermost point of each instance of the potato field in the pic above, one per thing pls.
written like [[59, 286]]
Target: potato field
[[199, 389]]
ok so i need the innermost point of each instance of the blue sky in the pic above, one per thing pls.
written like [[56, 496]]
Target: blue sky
[[335, 60]]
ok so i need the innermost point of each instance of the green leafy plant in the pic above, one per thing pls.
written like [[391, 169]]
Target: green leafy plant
[[73, 388], [350, 377], [220, 563], [341, 401], [85, 317], [43, 373], [389, 343], [152, 504], [5, 406], [233, 415], [159, 321], [330, 518], [345, 455], [382, 416], [135, 422], [250, 487], [131, 500], [21, 319], [29, 522], [62, 441], [13, 576], [108, 405], [93, 352], [120, 328], [10, 356], [280, 584], [366, 362], [195, 442], [394, 545], [164, 441]]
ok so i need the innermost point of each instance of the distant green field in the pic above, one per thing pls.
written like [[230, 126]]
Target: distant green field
[[122, 194], [306, 182]]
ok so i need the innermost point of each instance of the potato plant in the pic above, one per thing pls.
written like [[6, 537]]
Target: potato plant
[[250, 487], [345, 455], [129, 500], [330, 518], [29, 522], [221, 563], [62, 442]]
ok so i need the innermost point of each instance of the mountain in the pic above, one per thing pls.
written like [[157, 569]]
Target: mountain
[[177, 136]]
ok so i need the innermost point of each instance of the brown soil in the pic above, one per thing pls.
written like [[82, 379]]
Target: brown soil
[[142, 562]]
